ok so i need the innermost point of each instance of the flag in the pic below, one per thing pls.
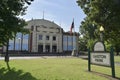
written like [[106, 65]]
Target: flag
[[72, 26]]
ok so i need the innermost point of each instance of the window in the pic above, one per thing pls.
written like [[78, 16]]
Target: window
[[47, 37], [65, 38], [32, 28], [40, 37], [54, 38], [70, 38]]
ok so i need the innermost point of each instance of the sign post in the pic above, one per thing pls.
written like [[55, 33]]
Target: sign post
[[89, 66], [100, 57], [112, 62]]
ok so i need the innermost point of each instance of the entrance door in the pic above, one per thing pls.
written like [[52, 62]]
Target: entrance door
[[40, 48], [47, 47], [54, 48]]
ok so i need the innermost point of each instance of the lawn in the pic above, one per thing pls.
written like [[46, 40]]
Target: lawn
[[52, 69], [117, 58]]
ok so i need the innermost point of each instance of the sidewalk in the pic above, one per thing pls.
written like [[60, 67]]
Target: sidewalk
[[34, 57], [2, 58]]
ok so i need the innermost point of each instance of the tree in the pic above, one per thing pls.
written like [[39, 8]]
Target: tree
[[88, 29], [10, 22], [82, 44], [89, 32], [104, 13]]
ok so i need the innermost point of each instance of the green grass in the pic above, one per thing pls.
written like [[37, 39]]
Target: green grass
[[52, 69], [117, 58]]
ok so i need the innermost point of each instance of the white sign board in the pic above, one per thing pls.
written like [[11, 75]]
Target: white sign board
[[100, 58], [99, 47]]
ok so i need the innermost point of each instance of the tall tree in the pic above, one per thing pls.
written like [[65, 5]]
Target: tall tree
[[105, 13], [10, 22]]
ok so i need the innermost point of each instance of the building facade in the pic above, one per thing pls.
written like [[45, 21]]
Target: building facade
[[45, 36], [70, 41]]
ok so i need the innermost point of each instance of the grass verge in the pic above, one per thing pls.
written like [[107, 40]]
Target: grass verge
[[52, 69]]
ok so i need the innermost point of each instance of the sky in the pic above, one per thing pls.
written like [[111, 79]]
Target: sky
[[61, 12]]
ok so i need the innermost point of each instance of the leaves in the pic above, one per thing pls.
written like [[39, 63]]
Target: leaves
[[104, 13], [10, 23]]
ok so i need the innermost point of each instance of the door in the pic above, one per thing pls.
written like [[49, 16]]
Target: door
[[54, 48], [40, 48], [47, 47]]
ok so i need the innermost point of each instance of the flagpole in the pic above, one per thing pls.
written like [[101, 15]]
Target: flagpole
[[43, 14], [73, 34], [73, 38]]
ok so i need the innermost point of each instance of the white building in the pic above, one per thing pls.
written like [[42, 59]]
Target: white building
[[46, 36]]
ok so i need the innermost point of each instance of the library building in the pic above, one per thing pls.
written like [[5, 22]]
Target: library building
[[45, 36]]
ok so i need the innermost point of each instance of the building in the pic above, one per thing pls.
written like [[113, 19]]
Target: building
[[45, 36], [70, 41]]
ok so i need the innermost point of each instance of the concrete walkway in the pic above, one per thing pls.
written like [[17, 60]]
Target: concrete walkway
[[34, 57], [2, 58]]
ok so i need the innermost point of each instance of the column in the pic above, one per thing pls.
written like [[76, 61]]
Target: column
[[44, 50], [36, 39], [34, 47], [57, 38], [51, 47], [51, 43]]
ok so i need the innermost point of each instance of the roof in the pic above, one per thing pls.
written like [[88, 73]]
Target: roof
[[42, 22]]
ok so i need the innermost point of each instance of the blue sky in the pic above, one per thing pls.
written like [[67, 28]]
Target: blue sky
[[61, 12]]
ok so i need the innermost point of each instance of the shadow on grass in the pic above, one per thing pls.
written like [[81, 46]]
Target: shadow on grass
[[105, 75], [13, 74]]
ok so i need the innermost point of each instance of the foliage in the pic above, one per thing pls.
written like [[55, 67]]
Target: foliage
[[90, 44], [104, 13], [10, 22], [88, 29], [107, 45], [89, 32], [82, 44]]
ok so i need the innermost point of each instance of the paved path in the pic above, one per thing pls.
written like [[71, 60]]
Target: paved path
[[2, 58], [33, 57]]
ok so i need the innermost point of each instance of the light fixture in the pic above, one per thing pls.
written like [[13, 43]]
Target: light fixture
[[101, 29]]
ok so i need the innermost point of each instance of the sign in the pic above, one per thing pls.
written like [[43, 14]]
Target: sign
[[99, 46], [100, 59]]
